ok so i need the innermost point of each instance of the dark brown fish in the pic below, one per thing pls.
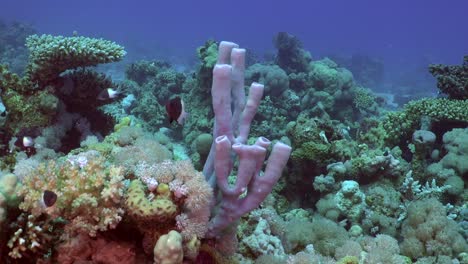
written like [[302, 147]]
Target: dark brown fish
[[26, 144], [49, 198], [175, 110]]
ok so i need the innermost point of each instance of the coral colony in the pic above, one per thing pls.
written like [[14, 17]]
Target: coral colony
[[290, 160]]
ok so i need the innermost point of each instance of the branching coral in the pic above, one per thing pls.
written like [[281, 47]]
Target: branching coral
[[30, 100], [452, 80], [208, 55], [89, 192], [363, 99], [31, 236], [399, 126], [25, 110], [52, 55]]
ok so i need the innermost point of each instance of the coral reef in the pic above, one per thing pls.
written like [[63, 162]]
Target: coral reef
[[107, 181], [452, 80]]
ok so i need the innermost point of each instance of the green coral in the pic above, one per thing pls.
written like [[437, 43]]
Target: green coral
[[28, 100], [29, 110], [10, 80], [273, 77], [9, 186], [326, 75], [124, 122], [302, 130], [348, 260], [363, 98], [208, 53], [398, 126], [452, 80], [52, 55], [313, 151]]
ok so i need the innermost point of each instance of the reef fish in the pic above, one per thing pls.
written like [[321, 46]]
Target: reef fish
[[176, 111], [49, 198], [108, 94], [26, 144]]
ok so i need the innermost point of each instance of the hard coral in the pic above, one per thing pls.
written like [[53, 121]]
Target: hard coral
[[159, 209], [400, 125], [452, 80], [25, 110], [89, 192], [52, 55]]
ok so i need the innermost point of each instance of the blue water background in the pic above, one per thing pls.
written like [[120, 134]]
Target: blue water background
[[405, 34]]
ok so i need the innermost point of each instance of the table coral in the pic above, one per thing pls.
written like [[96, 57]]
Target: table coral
[[52, 55]]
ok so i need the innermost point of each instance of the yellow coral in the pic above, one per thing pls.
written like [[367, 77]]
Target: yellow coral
[[159, 210], [348, 260], [163, 189], [124, 122]]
